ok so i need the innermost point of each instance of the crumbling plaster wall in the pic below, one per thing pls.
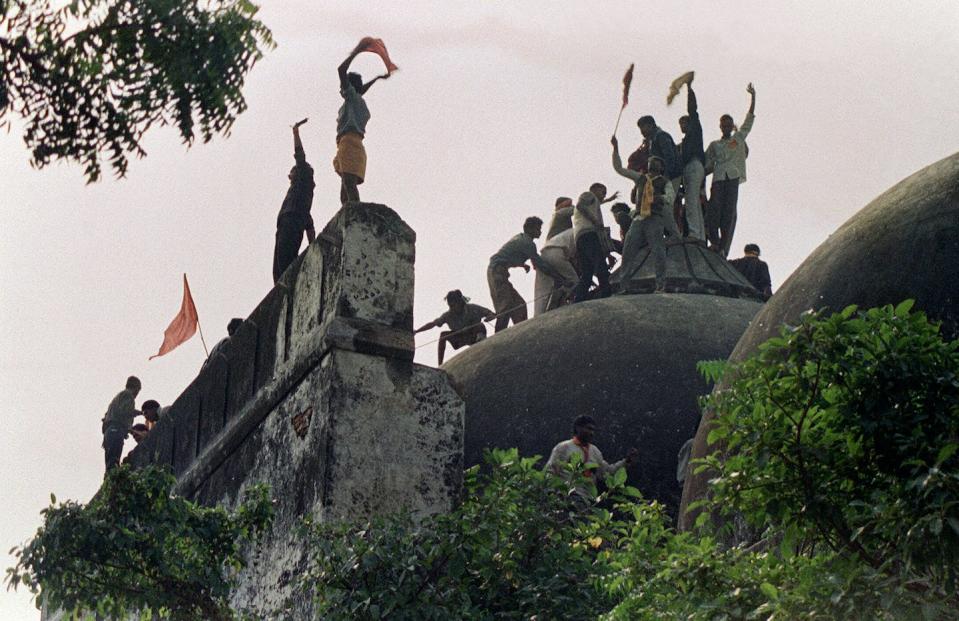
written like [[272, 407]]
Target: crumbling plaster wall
[[317, 396]]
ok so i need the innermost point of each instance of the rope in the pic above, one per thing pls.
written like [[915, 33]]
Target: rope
[[491, 319]]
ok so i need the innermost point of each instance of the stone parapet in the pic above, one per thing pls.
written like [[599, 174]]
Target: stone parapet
[[317, 396]]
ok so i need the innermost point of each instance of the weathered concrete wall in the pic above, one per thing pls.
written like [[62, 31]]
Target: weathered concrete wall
[[317, 395]]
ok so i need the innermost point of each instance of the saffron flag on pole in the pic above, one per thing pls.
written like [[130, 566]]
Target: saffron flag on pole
[[183, 325], [627, 82], [369, 44]]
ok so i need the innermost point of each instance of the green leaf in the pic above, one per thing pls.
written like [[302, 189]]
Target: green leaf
[[903, 308], [946, 452], [769, 590]]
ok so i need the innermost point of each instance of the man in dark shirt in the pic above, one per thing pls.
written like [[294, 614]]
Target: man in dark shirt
[[661, 145], [294, 217], [465, 321], [692, 158], [118, 420], [754, 270]]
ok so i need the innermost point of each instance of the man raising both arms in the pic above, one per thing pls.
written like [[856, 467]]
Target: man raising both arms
[[351, 120]]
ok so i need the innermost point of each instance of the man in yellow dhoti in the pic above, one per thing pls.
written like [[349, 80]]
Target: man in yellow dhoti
[[351, 120]]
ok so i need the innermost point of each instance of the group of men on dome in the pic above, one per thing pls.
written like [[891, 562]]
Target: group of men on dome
[[669, 197]]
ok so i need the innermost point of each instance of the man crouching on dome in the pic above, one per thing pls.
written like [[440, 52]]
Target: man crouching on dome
[[465, 321], [584, 428]]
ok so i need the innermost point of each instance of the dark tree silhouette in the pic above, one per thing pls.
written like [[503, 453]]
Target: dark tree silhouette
[[90, 78]]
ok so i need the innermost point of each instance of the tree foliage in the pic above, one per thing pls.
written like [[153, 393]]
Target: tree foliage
[[841, 451], [842, 435], [89, 77], [136, 548], [518, 546]]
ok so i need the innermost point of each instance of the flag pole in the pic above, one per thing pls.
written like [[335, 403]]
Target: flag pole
[[202, 340], [615, 129], [199, 327]]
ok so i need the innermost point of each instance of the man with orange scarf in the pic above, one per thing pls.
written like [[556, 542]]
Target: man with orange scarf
[[584, 429], [652, 218]]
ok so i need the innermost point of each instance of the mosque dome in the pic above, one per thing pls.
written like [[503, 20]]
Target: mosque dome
[[904, 244], [628, 360]]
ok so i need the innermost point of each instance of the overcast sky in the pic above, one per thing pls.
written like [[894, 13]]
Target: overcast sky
[[497, 109]]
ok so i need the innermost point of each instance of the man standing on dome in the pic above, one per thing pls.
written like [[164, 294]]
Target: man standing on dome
[[118, 421], [584, 430], [754, 270], [351, 120], [294, 218], [692, 159], [562, 217], [591, 247], [652, 218], [465, 321], [509, 304], [560, 252], [726, 160]]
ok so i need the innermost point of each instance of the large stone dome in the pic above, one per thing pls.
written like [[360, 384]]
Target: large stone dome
[[629, 361], [904, 244]]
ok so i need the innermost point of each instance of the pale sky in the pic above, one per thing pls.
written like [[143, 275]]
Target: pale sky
[[497, 109]]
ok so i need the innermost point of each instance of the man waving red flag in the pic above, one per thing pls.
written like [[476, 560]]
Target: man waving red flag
[[369, 44], [183, 325]]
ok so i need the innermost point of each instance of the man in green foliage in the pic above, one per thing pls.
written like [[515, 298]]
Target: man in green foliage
[[118, 420], [584, 430]]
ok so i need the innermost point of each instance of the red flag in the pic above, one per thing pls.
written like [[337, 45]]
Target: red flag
[[627, 82], [183, 325], [369, 44]]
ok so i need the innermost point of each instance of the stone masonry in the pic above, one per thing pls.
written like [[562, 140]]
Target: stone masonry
[[318, 396]]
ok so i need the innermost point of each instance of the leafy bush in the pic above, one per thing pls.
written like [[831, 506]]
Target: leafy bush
[[522, 544], [842, 435], [136, 547]]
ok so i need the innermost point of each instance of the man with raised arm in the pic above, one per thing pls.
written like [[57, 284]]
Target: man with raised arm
[[351, 120], [294, 218], [465, 321], [726, 160], [652, 218], [692, 158], [509, 304]]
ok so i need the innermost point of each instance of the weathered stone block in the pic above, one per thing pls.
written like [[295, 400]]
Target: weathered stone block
[[376, 281], [241, 360], [269, 318], [185, 415], [212, 386]]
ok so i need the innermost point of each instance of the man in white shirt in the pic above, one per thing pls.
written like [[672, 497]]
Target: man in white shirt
[[584, 430], [588, 230], [726, 160], [560, 252]]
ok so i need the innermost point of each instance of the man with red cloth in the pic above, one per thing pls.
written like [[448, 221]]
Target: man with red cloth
[[351, 120]]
